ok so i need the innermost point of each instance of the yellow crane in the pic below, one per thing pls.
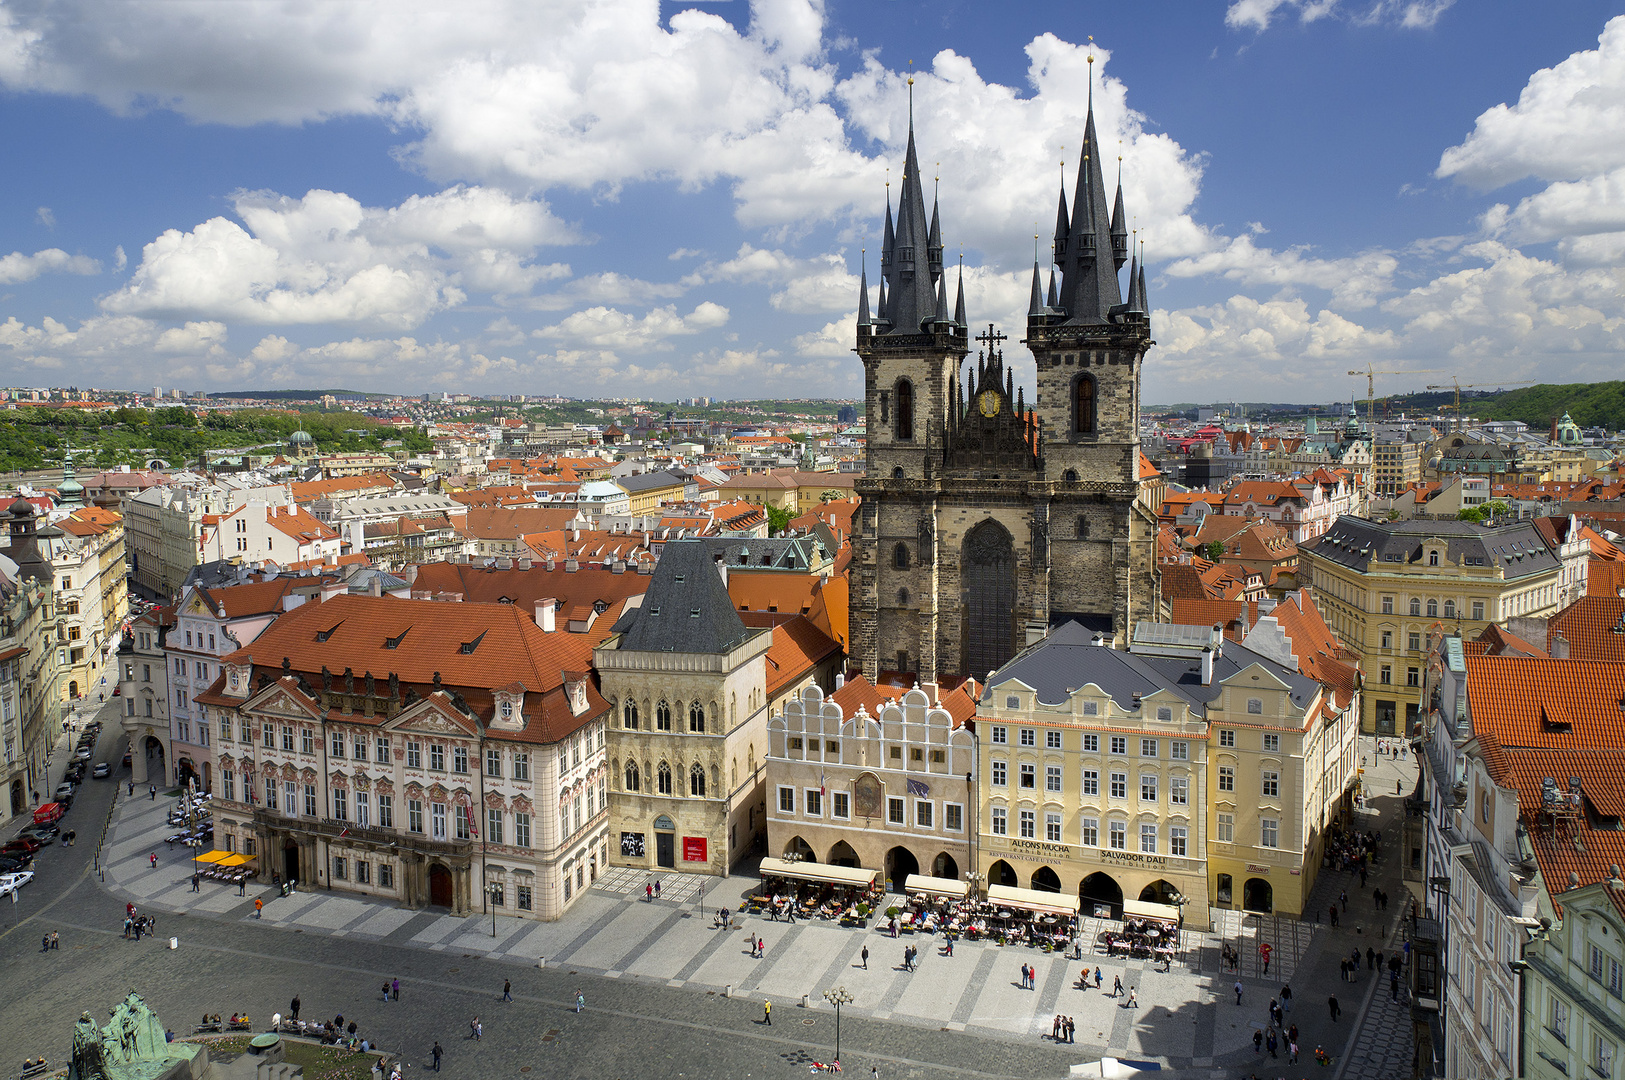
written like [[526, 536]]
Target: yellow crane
[[1371, 374], [1457, 385]]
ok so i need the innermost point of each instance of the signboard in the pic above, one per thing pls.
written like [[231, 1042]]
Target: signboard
[[664, 822], [632, 845], [1254, 868], [694, 849]]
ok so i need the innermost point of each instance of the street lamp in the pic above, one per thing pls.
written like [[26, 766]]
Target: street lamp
[[974, 881], [838, 997], [496, 900]]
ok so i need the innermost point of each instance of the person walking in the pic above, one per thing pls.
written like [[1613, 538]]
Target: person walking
[[581, 1001], [1371, 958], [767, 1013], [195, 879], [1343, 897], [242, 886], [1286, 998], [507, 990], [56, 940], [1334, 916], [1071, 1027], [1098, 978], [1237, 989], [948, 944], [386, 991], [1292, 1052], [657, 888], [1333, 1007], [1133, 1002], [1258, 1041], [152, 793], [395, 989], [293, 1008], [865, 958], [435, 1053], [1343, 969], [648, 893], [1271, 1043], [474, 1029], [153, 860], [1117, 986], [259, 905]]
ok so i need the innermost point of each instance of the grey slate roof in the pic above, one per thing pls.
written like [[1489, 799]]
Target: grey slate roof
[[782, 552], [646, 481], [1067, 660], [1518, 549], [686, 608]]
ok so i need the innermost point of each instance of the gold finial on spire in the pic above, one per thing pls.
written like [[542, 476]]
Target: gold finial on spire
[[911, 95]]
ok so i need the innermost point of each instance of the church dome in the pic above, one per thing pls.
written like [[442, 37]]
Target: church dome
[[21, 508], [301, 438]]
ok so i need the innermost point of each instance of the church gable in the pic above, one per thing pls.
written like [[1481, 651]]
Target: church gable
[[990, 428]]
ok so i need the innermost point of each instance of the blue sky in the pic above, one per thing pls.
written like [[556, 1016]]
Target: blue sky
[[662, 199]]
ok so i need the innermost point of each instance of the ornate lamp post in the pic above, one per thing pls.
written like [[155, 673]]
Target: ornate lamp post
[[838, 997], [975, 882]]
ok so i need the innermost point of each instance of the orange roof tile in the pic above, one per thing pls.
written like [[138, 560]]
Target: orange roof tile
[[1594, 627], [1552, 704]]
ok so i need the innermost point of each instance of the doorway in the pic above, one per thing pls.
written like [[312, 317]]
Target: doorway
[[290, 861], [666, 850], [17, 802], [1101, 891], [1002, 873], [1046, 880], [439, 886], [900, 863], [945, 867], [1257, 895], [73, 690]]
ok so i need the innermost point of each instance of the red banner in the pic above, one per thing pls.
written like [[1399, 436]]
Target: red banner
[[694, 849]]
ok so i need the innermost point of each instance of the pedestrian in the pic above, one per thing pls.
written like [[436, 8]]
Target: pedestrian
[[293, 1008], [1344, 899], [45, 943], [435, 1053], [1055, 1029], [1343, 970], [1334, 916], [1362, 869], [648, 893], [152, 793], [56, 940], [395, 989], [581, 1001], [153, 859], [866, 958], [1275, 1012], [1292, 1032], [1071, 1027], [1117, 986], [195, 879], [950, 945], [657, 888], [1237, 989], [386, 991], [242, 886], [1292, 1052], [1271, 1042], [1371, 958], [1133, 1002], [507, 990], [132, 788], [259, 905], [474, 1029], [1097, 978], [874, 1072], [1264, 952], [1354, 960], [767, 1013], [1258, 1041], [1333, 1007], [1286, 998], [1393, 985]]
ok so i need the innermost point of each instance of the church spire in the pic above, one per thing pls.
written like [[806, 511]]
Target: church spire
[[959, 304], [1035, 305], [1054, 297], [863, 293], [1134, 302], [1120, 252], [1088, 290], [1063, 223], [912, 251], [941, 315]]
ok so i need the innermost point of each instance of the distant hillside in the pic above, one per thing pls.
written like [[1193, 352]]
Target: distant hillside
[[1590, 404], [292, 395]]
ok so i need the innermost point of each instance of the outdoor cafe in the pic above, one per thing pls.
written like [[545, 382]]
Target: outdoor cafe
[[1150, 931], [226, 867], [1012, 916], [933, 903], [809, 890]]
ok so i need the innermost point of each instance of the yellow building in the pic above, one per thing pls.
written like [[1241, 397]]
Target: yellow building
[[1383, 586], [780, 489], [1395, 465], [647, 492]]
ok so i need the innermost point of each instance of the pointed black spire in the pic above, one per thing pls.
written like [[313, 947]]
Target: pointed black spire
[[935, 244], [959, 304], [1134, 303], [941, 315], [1063, 225], [1035, 306], [883, 308], [1145, 304], [910, 299], [1119, 229], [863, 296], [1054, 298], [1088, 289]]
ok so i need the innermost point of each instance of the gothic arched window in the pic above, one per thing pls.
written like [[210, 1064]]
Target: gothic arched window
[[1416, 606], [897, 473], [663, 717], [1450, 609], [663, 776], [899, 556], [696, 781], [632, 776], [1083, 405], [696, 718], [903, 427], [629, 716], [902, 598], [1070, 476]]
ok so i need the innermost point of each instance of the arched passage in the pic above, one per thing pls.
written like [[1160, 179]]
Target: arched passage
[[1046, 880], [990, 597], [152, 755], [1159, 892], [1101, 890], [799, 847], [1258, 895], [439, 886], [900, 863], [843, 855], [1001, 873], [944, 866]]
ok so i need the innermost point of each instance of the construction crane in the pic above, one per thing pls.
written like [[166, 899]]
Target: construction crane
[[1457, 385], [1371, 374]]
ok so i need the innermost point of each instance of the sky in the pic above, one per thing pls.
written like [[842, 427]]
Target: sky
[[641, 198]]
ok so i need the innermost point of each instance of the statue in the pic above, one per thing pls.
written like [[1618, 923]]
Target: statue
[[349, 680], [327, 679], [369, 685], [394, 685], [87, 1050]]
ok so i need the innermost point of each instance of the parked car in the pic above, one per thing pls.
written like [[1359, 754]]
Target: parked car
[[10, 864], [84, 753], [102, 770], [126, 761], [22, 842], [10, 883], [64, 790], [43, 833]]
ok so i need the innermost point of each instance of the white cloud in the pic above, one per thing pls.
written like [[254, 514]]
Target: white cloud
[[325, 258], [609, 328], [1355, 282], [46, 217], [1406, 14], [17, 267]]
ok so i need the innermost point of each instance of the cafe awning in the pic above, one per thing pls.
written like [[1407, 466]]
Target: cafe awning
[[1141, 909], [811, 871], [935, 885], [212, 856], [237, 859], [1045, 903]]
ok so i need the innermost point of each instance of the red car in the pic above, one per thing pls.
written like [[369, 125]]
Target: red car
[[22, 843]]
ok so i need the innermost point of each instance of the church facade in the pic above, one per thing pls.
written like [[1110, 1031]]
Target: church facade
[[988, 518]]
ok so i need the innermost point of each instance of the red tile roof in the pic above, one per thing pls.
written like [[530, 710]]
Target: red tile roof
[[1550, 704], [797, 650], [1594, 627]]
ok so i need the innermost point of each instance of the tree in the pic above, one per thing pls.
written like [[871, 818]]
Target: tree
[[1475, 514], [778, 520], [1214, 550], [1496, 508]]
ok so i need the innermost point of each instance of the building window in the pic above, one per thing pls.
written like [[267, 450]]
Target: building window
[[1478, 610], [1227, 828], [1414, 642], [1433, 609], [437, 820], [1091, 782], [338, 868], [1413, 676], [1176, 840], [1385, 674], [923, 815], [1148, 839], [953, 817], [696, 719], [1416, 606], [493, 762], [459, 759], [464, 831], [1027, 824], [414, 755], [1227, 778], [1119, 835], [1602, 1055], [521, 897], [1029, 737], [363, 809], [1000, 827], [341, 810], [521, 830], [899, 556], [1269, 832], [1387, 639], [1052, 828], [1272, 785], [337, 747], [1148, 747], [894, 812], [1560, 1020], [1388, 605], [1091, 832], [1272, 744], [1119, 785], [1179, 750], [663, 779], [1255, 706], [228, 785], [414, 815], [1596, 961], [1179, 790], [1029, 776], [787, 800], [629, 716], [632, 779], [1616, 977], [1148, 787], [521, 765], [1083, 405], [290, 797], [386, 811], [1119, 744], [812, 802], [999, 774], [1052, 740], [904, 424], [493, 826], [840, 805], [437, 757], [1052, 778], [360, 748], [1433, 557], [1450, 609], [1227, 737], [1000, 734]]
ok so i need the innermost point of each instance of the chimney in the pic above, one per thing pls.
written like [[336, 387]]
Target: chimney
[[1099, 639], [409, 574], [422, 594], [571, 566], [840, 679], [1559, 647], [524, 564], [331, 589], [376, 587], [544, 614], [548, 564], [1207, 665]]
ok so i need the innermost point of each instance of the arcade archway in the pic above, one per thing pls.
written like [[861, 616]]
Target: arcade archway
[[843, 855], [1101, 891], [1046, 880], [900, 863], [1258, 895]]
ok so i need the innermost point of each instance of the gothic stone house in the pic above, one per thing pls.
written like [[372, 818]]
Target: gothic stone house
[[987, 519], [440, 754]]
